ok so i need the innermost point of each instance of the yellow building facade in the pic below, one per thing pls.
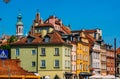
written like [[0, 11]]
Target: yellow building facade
[[83, 57]]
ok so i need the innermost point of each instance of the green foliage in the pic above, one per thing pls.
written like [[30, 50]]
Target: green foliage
[[12, 39], [7, 47]]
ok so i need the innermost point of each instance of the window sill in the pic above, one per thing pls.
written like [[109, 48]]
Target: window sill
[[42, 55], [56, 55], [57, 67], [43, 67]]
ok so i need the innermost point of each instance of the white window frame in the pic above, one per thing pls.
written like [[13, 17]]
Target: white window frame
[[56, 52], [43, 63], [17, 52], [56, 62], [33, 52]]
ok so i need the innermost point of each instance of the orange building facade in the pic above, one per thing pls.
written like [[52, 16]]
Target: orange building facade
[[110, 61]]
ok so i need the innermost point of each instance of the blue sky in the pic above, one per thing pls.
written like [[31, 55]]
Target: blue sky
[[80, 14]]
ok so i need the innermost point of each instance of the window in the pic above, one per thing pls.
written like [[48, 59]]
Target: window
[[47, 39], [81, 57], [33, 52], [17, 52], [43, 51], [68, 64], [86, 67], [72, 67], [29, 40], [65, 51], [43, 63], [74, 57], [56, 51], [56, 63], [65, 63], [19, 30], [68, 52], [75, 67], [80, 66], [33, 64]]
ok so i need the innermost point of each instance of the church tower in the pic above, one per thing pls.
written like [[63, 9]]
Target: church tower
[[19, 25]]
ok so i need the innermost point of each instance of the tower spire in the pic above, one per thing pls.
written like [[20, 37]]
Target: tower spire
[[19, 25], [37, 16]]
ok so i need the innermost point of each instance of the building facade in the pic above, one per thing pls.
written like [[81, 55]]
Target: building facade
[[95, 58], [103, 59], [45, 50], [118, 62], [95, 36], [82, 55], [73, 59], [110, 60]]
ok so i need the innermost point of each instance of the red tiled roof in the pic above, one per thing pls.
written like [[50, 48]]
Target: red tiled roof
[[66, 30], [90, 31], [44, 25], [55, 38], [86, 31], [90, 39], [21, 41], [13, 66], [37, 40], [3, 42]]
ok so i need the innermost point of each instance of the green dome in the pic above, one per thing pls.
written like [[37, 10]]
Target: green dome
[[19, 18], [19, 23]]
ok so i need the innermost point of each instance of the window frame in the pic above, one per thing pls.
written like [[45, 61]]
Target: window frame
[[43, 53], [47, 39], [56, 53], [33, 53], [58, 64], [43, 64], [33, 64], [17, 52]]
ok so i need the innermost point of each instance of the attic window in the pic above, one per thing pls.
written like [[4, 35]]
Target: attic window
[[47, 39], [29, 40]]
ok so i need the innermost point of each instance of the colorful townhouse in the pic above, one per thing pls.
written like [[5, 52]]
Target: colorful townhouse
[[95, 36], [118, 61], [110, 60], [95, 58], [73, 59], [45, 50], [103, 59], [82, 59]]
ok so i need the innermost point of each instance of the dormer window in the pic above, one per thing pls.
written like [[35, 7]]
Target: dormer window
[[47, 39], [29, 40]]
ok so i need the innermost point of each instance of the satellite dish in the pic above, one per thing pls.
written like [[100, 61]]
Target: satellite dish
[[6, 1]]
